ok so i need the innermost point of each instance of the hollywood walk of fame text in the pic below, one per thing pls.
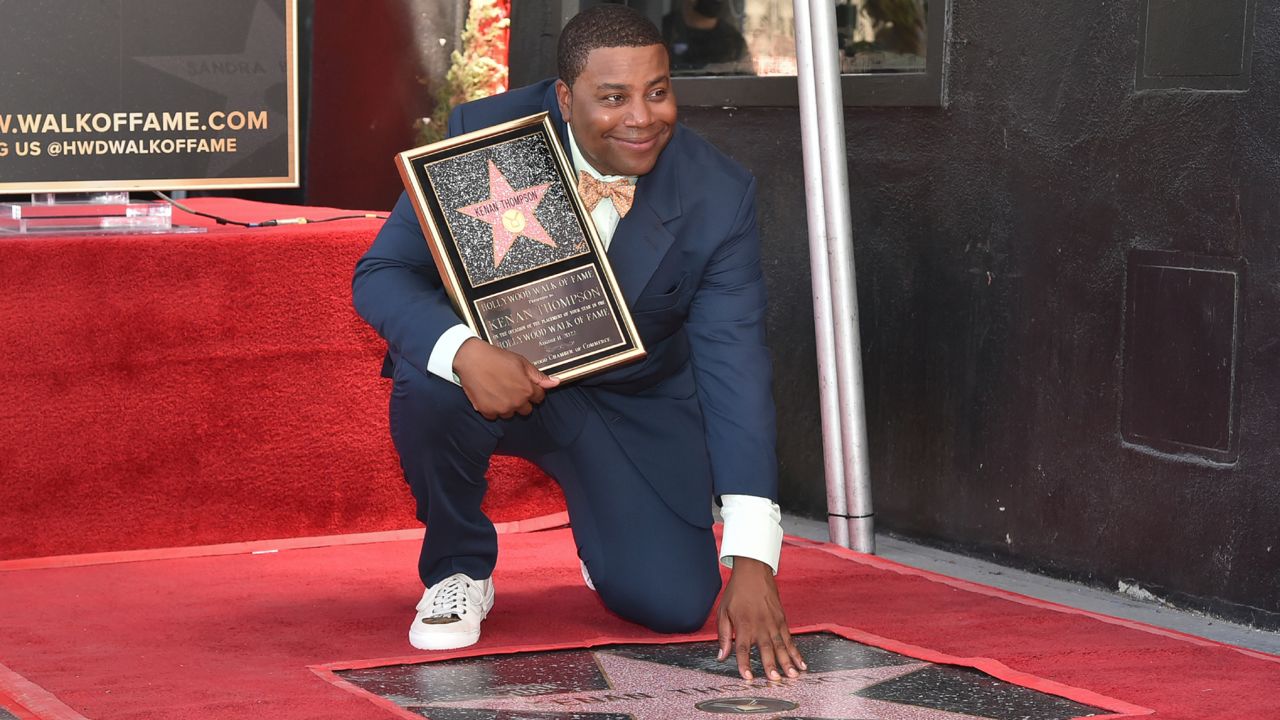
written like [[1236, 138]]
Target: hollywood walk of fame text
[[554, 319]]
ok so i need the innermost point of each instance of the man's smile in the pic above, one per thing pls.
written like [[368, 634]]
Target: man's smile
[[637, 144]]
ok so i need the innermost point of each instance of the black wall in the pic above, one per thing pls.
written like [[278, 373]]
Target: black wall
[[993, 239]]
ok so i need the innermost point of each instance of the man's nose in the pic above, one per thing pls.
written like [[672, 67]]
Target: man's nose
[[640, 115]]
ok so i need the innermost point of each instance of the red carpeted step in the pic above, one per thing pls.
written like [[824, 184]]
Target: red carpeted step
[[181, 390]]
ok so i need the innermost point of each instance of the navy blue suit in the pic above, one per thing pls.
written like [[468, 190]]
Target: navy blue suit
[[640, 450]]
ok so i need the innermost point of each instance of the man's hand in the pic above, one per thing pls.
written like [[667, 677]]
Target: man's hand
[[751, 614], [499, 383]]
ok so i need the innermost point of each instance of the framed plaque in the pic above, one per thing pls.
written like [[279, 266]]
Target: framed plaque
[[516, 248]]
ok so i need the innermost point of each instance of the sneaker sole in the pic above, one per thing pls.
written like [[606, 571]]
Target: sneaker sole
[[440, 641]]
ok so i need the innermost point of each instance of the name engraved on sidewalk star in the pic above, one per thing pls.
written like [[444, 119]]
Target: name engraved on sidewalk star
[[597, 699], [846, 681]]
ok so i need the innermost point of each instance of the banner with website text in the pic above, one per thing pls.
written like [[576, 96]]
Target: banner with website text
[[147, 94]]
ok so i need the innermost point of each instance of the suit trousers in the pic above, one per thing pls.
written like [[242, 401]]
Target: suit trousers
[[648, 564]]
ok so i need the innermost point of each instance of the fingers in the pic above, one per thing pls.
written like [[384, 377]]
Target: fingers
[[513, 408], [782, 654], [539, 378], [524, 410], [736, 639], [796, 658], [778, 655], [767, 660], [773, 641], [518, 398], [743, 647], [725, 628]]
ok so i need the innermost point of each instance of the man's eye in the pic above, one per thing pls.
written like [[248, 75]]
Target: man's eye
[[613, 99], [658, 94]]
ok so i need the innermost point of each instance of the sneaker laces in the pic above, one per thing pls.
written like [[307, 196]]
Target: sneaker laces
[[451, 598]]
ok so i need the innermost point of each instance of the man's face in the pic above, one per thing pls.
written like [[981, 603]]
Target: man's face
[[621, 109]]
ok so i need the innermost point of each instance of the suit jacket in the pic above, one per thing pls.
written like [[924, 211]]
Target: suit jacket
[[696, 416]]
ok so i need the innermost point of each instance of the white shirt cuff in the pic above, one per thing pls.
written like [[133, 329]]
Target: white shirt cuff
[[752, 529], [441, 360]]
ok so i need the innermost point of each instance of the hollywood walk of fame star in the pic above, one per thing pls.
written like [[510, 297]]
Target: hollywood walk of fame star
[[652, 691], [510, 212], [243, 78]]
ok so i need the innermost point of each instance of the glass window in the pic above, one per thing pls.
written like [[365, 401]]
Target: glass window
[[757, 37], [743, 52]]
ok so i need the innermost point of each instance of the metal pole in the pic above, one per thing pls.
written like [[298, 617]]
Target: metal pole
[[824, 331], [844, 296]]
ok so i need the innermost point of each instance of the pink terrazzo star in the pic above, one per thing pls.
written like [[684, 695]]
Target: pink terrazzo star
[[651, 691], [510, 212]]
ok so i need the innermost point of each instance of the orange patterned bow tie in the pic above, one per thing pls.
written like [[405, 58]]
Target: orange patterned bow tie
[[592, 190]]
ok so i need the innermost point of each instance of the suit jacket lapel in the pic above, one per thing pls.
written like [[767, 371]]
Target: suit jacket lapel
[[642, 239], [638, 245]]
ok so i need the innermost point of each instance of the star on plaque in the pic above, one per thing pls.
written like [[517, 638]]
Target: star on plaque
[[510, 213]]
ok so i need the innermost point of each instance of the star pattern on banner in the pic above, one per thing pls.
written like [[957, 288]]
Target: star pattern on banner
[[510, 212], [243, 79], [646, 690]]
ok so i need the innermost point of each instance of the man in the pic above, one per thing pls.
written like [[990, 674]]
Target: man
[[698, 34], [639, 450]]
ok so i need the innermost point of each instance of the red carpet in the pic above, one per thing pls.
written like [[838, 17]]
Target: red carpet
[[233, 636], [180, 390]]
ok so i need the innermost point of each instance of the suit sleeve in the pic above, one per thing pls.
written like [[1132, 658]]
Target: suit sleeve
[[397, 288], [731, 363]]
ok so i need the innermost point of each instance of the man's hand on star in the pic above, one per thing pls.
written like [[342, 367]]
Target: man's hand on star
[[499, 383], [751, 614]]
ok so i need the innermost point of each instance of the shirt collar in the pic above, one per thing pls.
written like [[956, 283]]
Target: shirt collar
[[581, 163]]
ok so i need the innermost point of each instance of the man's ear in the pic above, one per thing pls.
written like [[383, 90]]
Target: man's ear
[[564, 96]]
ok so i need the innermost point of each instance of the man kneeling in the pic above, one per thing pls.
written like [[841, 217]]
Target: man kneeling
[[642, 450]]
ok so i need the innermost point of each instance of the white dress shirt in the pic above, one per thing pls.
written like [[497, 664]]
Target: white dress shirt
[[752, 525]]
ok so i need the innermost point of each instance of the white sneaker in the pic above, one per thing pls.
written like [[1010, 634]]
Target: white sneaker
[[586, 576], [450, 613]]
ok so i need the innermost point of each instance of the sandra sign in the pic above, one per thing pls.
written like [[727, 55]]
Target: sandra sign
[[147, 94]]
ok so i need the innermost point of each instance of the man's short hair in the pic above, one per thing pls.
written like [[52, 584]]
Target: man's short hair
[[602, 26]]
